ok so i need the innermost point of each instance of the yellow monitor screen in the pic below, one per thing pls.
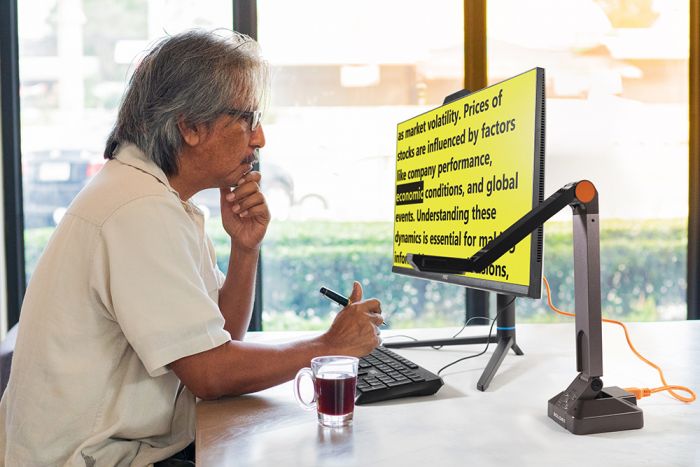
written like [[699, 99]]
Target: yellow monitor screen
[[465, 172]]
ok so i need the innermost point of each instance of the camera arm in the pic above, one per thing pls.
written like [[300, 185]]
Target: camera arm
[[584, 406]]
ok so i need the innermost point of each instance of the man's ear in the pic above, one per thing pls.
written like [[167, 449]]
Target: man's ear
[[191, 134]]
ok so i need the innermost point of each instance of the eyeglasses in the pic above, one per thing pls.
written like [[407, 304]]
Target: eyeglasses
[[251, 116]]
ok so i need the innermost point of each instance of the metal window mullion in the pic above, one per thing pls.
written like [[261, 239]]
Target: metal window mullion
[[693, 260], [245, 20], [475, 77], [11, 161]]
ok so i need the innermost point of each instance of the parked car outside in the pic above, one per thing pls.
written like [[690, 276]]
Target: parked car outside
[[52, 178]]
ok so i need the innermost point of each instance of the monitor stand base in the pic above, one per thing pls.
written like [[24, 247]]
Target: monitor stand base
[[504, 344]]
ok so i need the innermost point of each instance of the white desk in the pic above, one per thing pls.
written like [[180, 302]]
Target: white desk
[[506, 425]]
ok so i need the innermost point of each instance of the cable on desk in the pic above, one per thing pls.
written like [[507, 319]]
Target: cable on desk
[[638, 392], [464, 326], [488, 341], [438, 347], [399, 335]]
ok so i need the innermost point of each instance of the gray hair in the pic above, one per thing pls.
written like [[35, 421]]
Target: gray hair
[[194, 76]]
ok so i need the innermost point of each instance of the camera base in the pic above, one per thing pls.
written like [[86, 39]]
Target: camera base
[[612, 409]]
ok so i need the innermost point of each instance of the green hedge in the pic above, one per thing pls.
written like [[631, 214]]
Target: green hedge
[[643, 272]]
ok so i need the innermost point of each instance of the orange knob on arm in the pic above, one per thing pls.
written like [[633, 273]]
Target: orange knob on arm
[[585, 191]]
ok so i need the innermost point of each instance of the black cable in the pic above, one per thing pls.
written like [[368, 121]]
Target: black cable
[[438, 347], [469, 321], [488, 341]]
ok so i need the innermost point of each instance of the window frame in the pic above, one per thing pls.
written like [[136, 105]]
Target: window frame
[[694, 164], [13, 202], [245, 20]]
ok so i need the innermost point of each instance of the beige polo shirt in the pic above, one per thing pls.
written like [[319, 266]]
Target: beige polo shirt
[[127, 284]]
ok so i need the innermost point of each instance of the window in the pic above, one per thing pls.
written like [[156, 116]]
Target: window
[[75, 59], [617, 114], [342, 78]]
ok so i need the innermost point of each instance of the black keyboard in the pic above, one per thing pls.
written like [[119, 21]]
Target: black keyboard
[[385, 375]]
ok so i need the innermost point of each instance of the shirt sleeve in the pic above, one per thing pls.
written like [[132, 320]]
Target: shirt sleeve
[[153, 257]]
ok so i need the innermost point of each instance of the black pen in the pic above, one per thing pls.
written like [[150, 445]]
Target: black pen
[[336, 297], [339, 299]]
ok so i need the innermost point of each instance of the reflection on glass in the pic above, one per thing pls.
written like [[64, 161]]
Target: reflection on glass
[[342, 79], [617, 114], [75, 59]]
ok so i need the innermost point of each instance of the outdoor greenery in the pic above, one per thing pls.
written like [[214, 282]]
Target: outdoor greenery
[[643, 273]]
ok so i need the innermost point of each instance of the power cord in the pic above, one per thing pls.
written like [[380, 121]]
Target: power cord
[[638, 392]]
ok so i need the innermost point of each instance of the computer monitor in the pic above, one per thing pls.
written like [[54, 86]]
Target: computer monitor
[[465, 172]]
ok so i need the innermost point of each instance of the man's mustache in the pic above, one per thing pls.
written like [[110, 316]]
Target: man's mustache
[[253, 158]]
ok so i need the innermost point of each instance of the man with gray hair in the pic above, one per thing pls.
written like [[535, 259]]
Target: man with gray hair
[[127, 318]]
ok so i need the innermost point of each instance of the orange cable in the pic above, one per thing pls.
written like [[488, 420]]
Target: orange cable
[[638, 392]]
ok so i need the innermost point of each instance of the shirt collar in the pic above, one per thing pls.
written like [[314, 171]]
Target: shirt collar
[[129, 154]]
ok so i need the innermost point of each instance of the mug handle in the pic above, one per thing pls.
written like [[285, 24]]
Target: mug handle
[[297, 395]]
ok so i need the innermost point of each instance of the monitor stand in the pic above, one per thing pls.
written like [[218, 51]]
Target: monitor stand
[[504, 338]]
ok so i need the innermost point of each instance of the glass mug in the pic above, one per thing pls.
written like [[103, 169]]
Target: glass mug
[[334, 378]]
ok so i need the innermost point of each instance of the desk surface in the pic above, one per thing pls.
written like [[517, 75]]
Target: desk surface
[[505, 425]]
